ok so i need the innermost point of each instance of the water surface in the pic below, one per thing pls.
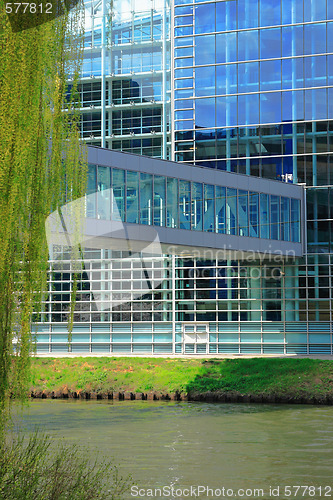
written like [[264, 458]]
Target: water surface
[[184, 444]]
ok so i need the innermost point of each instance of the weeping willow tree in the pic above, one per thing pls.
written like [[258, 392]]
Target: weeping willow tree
[[41, 168]]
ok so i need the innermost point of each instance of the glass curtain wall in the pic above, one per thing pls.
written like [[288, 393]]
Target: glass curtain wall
[[252, 87], [253, 95], [125, 82], [200, 306]]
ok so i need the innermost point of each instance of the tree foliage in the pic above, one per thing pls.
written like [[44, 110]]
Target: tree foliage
[[41, 167]]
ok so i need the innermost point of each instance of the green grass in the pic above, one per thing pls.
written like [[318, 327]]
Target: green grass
[[291, 377], [113, 374], [279, 377]]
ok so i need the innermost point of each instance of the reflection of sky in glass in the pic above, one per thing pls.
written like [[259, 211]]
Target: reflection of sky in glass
[[213, 76], [205, 112], [205, 49]]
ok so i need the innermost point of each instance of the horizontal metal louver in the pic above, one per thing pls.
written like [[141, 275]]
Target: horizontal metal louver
[[59, 348], [319, 349], [273, 327], [105, 327], [121, 348], [296, 349], [295, 327], [142, 327], [163, 327], [59, 328], [81, 329], [250, 348], [228, 327], [121, 327], [101, 348], [163, 348], [250, 327], [319, 327], [228, 348], [43, 348], [189, 348], [142, 348], [80, 348], [189, 328], [273, 349]]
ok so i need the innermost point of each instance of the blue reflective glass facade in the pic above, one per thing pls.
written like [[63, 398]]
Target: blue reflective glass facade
[[251, 80]]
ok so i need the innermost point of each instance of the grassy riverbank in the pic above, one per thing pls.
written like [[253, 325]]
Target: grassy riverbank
[[113, 374], [291, 378]]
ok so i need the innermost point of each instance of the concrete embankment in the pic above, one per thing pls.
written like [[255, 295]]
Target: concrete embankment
[[220, 397], [115, 396], [206, 397]]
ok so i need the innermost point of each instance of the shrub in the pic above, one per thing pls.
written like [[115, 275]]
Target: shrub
[[36, 468]]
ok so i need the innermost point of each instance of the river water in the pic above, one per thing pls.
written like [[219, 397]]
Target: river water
[[179, 445]]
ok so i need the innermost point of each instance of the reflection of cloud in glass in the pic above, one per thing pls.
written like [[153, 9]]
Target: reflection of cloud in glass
[[69, 228]]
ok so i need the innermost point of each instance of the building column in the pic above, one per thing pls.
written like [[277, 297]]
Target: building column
[[291, 291], [103, 81], [173, 295], [254, 293]]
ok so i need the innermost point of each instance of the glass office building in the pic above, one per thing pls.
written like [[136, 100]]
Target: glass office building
[[251, 85]]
